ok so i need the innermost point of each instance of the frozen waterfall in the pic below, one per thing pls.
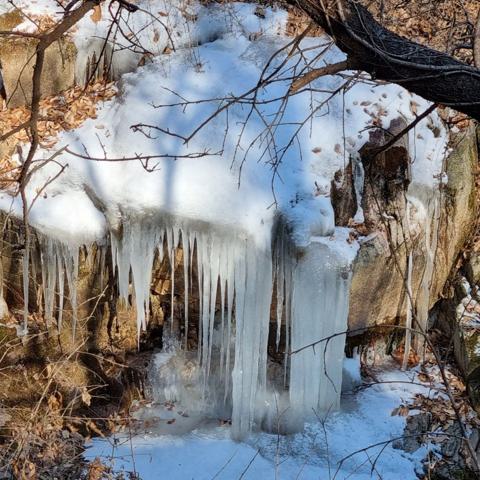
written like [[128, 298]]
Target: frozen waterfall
[[244, 290]]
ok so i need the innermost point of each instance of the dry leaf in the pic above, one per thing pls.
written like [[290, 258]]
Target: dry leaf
[[413, 107], [54, 403], [93, 427], [401, 411], [423, 377], [96, 470], [86, 397], [96, 15]]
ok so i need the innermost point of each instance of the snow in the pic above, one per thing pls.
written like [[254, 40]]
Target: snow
[[208, 452], [178, 186], [352, 376], [244, 181]]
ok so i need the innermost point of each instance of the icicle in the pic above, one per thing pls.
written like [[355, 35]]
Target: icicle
[[319, 310], [70, 258], [121, 257], [232, 346], [230, 299], [222, 325], [171, 249], [408, 321], [61, 290], [431, 240], [50, 276], [289, 290], [223, 272], [143, 240], [186, 256], [253, 290], [358, 183], [215, 259], [280, 299], [35, 267], [201, 282], [134, 252], [26, 263], [280, 254], [204, 256], [160, 248], [102, 266]]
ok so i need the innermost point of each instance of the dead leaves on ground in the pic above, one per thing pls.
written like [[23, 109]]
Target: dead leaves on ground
[[435, 400], [413, 357], [65, 111]]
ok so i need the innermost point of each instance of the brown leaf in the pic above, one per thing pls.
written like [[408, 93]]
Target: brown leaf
[[413, 107], [93, 427], [86, 397], [96, 470], [423, 377], [401, 411], [96, 15]]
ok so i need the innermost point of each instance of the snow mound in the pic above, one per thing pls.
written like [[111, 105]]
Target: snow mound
[[244, 168]]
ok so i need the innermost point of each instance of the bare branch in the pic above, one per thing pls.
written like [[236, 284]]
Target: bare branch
[[312, 75]]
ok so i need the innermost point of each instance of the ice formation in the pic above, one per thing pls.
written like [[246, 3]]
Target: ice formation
[[252, 209]]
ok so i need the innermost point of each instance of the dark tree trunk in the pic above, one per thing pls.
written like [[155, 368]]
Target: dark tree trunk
[[436, 76]]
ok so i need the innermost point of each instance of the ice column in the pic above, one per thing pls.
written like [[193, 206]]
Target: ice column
[[319, 311]]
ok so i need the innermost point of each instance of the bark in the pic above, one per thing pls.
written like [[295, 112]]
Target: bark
[[436, 76], [476, 42]]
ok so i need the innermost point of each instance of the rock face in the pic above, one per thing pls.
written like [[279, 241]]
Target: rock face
[[467, 354], [18, 59], [378, 288]]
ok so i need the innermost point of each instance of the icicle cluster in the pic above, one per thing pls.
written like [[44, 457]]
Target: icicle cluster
[[238, 281], [56, 262]]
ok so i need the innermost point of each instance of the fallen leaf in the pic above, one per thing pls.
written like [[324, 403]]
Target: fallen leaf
[[96, 16], [86, 397]]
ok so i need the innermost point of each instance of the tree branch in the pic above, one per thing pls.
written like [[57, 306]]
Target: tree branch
[[436, 76], [312, 75]]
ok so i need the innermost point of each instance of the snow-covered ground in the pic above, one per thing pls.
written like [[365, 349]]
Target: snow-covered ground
[[207, 452]]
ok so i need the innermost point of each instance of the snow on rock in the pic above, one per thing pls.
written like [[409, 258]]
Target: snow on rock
[[248, 191], [240, 173], [162, 25]]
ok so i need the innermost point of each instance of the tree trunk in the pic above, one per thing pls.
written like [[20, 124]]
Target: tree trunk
[[436, 76]]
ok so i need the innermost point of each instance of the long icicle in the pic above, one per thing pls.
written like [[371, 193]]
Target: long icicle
[[408, 321], [186, 256]]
